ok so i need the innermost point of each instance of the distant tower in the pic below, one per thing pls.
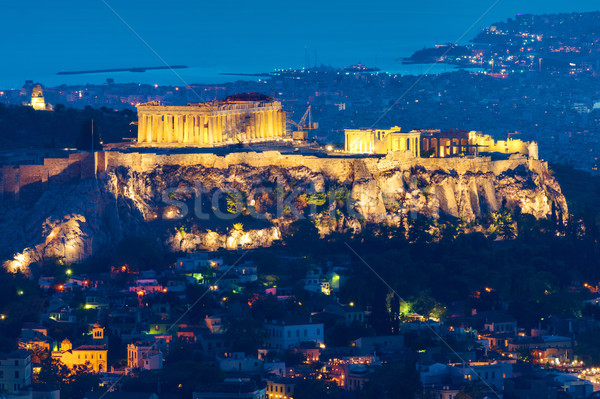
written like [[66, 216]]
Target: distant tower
[[98, 337], [37, 99], [98, 331]]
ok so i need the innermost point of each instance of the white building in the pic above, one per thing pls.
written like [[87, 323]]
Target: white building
[[197, 261], [285, 335], [239, 362], [15, 372]]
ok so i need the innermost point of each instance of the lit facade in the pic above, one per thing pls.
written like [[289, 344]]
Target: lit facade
[[37, 99], [143, 357], [382, 141], [283, 335], [94, 356], [280, 388], [211, 124]]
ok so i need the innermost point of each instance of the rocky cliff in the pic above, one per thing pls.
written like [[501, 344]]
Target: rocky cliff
[[248, 200]]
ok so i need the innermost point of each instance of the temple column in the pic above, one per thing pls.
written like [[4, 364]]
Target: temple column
[[166, 138], [271, 124], [159, 129], [211, 128], [263, 132], [141, 128], [182, 120], [221, 128], [249, 129], [174, 134], [216, 129], [203, 130], [152, 128], [257, 126], [188, 133], [185, 133], [181, 129], [196, 129], [229, 131]]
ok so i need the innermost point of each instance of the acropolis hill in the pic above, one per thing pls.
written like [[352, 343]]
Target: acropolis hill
[[184, 185], [77, 206]]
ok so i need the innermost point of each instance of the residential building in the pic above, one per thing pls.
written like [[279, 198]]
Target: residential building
[[144, 357], [282, 334], [15, 372]]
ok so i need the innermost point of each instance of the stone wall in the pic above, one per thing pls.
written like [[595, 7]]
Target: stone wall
[[28, 182], [34, 179]]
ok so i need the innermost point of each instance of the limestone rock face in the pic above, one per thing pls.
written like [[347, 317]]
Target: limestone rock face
[[192, 207]]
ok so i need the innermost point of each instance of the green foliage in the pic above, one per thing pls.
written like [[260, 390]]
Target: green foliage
[[235, 202], [73, 383], [502, 224], [317, 199]]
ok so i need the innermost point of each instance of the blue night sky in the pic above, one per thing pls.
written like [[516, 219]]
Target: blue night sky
[[41, 38]]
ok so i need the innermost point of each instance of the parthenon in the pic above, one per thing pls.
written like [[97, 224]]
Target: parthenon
[[211, 123]]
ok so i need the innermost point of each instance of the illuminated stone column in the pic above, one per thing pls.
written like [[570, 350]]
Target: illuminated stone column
[[196, 129], [180, 130], [185, 133], [265, 115], [188, 129], [142, 128], [175, 134], [250, 131], [274, 132], [148, 126], [257, 126], [228, 125], [211, 130], [263, 131], [153, 131], [173, 137], [203, 130], [217, 125], [159, 129], [221, 128], [164, 135]]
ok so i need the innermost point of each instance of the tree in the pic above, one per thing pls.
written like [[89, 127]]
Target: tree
[[302, 236]]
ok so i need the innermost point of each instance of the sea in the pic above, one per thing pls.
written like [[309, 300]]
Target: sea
[[40, 38]]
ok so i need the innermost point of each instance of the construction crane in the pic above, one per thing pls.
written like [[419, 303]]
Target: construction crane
[[301, 134]]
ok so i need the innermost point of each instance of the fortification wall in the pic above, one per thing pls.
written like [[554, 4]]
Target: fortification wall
[[28, 182], [36, 178]]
